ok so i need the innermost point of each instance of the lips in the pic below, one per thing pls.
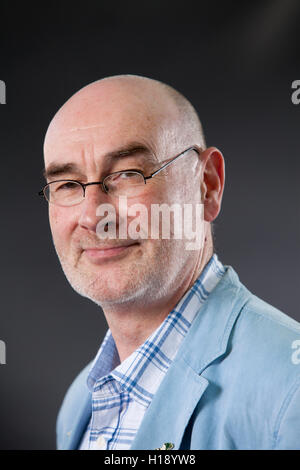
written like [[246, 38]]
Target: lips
[[96, 254], [111, 245]]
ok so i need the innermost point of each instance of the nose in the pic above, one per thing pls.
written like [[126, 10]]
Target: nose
[[94, 196]]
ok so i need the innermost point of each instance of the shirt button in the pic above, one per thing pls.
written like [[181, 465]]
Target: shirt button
[[101, 442]]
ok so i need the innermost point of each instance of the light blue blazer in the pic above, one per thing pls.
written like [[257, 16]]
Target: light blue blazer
[[234, 384]]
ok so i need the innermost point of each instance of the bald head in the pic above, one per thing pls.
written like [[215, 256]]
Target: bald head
[[117, 127], [113, 98]]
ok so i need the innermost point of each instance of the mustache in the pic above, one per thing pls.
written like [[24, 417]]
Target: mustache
[[109, 235], [113, 230]]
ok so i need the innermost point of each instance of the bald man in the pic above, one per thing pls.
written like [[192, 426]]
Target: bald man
[[191, 359]]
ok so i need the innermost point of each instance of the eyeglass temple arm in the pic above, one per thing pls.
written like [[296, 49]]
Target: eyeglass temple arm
[[173, 160]]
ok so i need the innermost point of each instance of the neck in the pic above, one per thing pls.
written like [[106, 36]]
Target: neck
[[132, 324]]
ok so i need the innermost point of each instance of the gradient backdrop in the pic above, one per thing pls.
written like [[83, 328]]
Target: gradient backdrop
[[236, 64]]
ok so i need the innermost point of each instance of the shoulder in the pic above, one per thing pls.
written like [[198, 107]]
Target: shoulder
[[265, 352], [269, 332], [254, 381], [263, 336], [262, 310], [259, 323]]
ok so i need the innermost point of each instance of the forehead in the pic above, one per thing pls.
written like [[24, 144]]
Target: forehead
[[93, 148], [110, 112], [106, 118]]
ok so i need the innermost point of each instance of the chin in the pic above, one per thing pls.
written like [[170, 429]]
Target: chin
[[106, 298], [115, 283], [106, 290]]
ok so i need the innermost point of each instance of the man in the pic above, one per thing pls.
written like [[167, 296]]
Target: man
[[191, 358]]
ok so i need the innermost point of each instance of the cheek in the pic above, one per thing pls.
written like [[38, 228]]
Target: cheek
[[60, 225], [159, 192]]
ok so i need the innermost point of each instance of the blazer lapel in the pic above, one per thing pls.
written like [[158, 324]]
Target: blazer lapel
[[75, 414], [171, 408], [81, 417]]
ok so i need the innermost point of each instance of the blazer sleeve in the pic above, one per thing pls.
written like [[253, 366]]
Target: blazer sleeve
[[287, 433]]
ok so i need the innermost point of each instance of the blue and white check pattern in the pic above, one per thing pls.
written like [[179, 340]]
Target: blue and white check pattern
[[121, 393]]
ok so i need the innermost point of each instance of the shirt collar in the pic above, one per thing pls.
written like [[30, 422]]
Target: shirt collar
[[161, 345]]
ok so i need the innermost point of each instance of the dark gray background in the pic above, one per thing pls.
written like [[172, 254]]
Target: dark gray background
[[236, 64]]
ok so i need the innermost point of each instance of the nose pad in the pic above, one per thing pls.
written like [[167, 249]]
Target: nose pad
[[104, 188]]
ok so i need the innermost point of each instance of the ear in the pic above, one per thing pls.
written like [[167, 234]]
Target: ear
[[212, 184]]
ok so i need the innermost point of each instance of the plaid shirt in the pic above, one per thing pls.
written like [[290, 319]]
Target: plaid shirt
[[121, 393]]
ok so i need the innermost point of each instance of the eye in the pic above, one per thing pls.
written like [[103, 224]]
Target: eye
[[68, 185], [123, 180], [124, 175], [128, 174]]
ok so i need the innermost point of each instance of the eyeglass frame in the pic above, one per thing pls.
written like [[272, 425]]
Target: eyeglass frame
[[84, 185]]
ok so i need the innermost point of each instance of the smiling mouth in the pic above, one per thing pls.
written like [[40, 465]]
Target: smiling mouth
[[98, 254]]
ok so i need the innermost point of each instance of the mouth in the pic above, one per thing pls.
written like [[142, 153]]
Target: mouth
[[95, 254]]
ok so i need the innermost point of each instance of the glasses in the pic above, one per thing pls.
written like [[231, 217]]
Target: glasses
[[127, 183]]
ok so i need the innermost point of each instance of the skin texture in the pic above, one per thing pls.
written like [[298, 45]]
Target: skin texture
[[138, 287]]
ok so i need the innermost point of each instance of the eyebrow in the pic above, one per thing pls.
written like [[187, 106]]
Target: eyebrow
[[57, 169]]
